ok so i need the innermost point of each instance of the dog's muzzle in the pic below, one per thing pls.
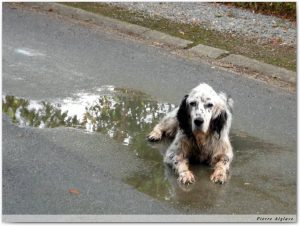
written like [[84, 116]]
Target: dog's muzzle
[[198, 122]]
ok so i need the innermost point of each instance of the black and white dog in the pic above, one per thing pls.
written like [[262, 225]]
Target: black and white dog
[[200, 127]]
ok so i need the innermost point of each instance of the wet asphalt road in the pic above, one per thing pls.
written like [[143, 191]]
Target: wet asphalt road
[[45, 58]]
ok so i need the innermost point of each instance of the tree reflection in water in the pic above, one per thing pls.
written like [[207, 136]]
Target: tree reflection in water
[[125, 115]]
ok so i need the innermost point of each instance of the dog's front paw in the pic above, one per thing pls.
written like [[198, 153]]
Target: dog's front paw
[[154, 136], [219, 176], [186, 177]]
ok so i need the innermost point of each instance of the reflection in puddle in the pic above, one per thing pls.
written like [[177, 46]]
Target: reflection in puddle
[[127, 116], [121, 113]]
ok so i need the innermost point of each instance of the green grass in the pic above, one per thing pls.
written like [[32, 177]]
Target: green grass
[[272, 53]]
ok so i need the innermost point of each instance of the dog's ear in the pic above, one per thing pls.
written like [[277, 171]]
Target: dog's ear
[[227, 99], [230, 103], [183, 117], [218, 123]]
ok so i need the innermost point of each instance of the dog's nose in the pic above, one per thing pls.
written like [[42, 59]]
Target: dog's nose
[[198, 121]]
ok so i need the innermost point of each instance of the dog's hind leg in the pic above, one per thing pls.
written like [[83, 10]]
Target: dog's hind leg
[[167, 126]]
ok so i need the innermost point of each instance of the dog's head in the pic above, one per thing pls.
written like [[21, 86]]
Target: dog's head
[[204, 111]]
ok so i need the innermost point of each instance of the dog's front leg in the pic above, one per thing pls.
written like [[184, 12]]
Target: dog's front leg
[[221, 165], [221, 160], [185, 175], [177, 157]]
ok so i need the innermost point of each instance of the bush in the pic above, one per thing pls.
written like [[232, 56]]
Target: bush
[[282, 9]]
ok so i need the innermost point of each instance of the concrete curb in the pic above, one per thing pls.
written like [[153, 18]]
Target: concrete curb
[[207, 51], [166, 39], [90, 17], [245, 62], [122, 26], [255, 65], [156, 36]]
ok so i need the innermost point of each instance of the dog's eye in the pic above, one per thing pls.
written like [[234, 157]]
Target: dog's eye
[[193, 103], [209, 105]]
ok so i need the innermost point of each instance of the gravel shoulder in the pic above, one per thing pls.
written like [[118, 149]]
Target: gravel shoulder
[[222, 18]]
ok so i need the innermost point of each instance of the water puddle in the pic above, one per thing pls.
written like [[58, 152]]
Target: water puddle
[[123, 114], [127, 116]]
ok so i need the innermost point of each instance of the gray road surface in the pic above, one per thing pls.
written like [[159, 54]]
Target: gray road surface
[[46, 58]]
